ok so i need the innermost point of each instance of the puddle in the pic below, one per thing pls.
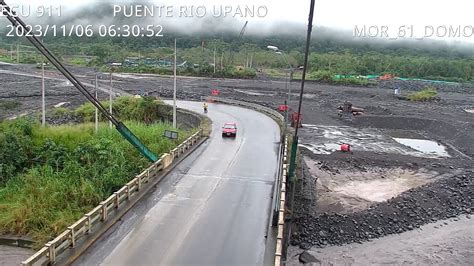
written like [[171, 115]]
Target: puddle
[[471, 111], [345, 191], [129, 76], [426, 146], [378, 190], [309, 96], [253, 93], [327, 139], [61, 104], [325, 148]]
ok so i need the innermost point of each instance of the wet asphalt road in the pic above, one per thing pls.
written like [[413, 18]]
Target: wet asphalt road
[[212, 210]]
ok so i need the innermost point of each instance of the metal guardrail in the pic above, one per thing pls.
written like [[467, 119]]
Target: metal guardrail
[[100, 214], [279, 117], [281, 211]]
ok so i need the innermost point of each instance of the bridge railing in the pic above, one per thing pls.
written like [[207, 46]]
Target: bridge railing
[[281, 211], [100, 214]]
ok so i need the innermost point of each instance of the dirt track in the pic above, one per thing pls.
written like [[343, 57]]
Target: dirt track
[[445, 180]]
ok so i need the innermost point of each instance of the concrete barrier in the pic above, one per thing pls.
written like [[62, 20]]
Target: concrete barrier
[[113, 204], [275, 115]]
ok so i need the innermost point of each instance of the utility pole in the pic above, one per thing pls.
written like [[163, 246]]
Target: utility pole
[[222, 60], [96, 110], [11, 52], [174, 87], [294, 145], [110, 97], [43, 101], [17, 54]]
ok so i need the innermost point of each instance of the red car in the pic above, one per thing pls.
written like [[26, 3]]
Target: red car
[[229, 130]]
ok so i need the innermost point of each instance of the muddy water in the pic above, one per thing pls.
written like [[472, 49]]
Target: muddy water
[[443, 243], [321, 139], [381, 190], [426, 146], [345, 191]]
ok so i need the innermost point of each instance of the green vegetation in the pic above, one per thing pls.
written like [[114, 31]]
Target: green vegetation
[[427, 94], [427, 60], [143, 109], [78, 61], [6, 59], [401, 65], [60, 112], [49, 177]]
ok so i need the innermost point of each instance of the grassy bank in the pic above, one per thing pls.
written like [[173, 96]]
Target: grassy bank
[[50, 177]]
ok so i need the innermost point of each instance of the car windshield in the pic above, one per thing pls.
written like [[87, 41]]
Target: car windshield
[[229, 126]]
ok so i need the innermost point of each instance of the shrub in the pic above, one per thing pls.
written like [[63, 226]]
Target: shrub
[[60, 111], [87, 112], [15, 148], [427, 94], [321, 75], [56, 174], [143, 109]]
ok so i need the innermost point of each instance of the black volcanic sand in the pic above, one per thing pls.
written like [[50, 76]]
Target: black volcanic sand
[[445, 198], [445, 121]]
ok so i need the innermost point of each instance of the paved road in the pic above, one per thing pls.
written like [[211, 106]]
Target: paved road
[[213, 209]]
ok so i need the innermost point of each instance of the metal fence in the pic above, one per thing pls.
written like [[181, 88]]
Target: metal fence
[[99, 215], [281, 211]]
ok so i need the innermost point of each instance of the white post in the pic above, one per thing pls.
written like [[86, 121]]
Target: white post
[[17, 54], [222, 60], [11, 52], [174, 87], [214, 60], [96, 109], [110, 97], [43, 102]]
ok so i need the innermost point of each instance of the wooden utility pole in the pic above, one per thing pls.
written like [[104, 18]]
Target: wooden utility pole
[[96, 110], [43, 101], [110, 97]]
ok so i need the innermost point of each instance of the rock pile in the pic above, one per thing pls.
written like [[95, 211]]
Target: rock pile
[[442, 199]]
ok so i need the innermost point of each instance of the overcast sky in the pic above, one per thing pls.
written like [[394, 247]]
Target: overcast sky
[[336, 14]]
